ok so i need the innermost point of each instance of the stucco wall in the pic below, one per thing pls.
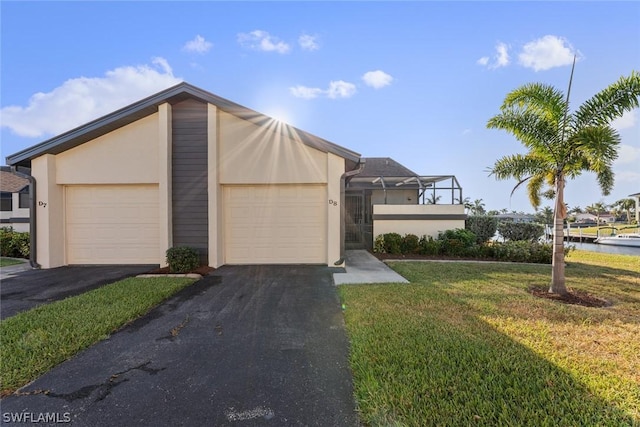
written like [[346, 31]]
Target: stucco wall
[[420, 220], [128, 155], [251, 154], [335, 169]]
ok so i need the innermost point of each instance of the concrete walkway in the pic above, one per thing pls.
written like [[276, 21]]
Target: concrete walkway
[[362, 267], [12, 270]]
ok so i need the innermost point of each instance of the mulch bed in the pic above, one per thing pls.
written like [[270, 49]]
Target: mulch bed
[[203, 270], [575, 297]]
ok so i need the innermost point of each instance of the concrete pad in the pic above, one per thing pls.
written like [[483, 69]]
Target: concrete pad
[[362, 267], [13, 270]]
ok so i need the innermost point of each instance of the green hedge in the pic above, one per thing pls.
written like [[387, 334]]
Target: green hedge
[[14, 244], [460, 243], [182, 259]]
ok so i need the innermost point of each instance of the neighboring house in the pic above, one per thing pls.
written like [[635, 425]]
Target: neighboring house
[[14, 201], [185, 167]]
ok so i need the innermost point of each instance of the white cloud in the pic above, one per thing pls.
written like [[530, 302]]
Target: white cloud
[[263, 41], [305, 92], [466, 132], [197, 45], [628, 154], [83, 99], [377, 79], [308, 42], [337, 89], [628, 120], [627, 176], [546, 53], [341, 89], [500, 59]]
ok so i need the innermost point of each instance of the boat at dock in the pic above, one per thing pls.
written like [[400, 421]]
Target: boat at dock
[[624, 239]]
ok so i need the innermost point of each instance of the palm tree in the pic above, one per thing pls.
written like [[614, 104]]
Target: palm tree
[[596, 209], [478, 207], [626, 205], [433, 199], [562, 145]]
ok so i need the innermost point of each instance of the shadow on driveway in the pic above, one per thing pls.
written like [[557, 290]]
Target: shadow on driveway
[[245, 346], [31, 288]]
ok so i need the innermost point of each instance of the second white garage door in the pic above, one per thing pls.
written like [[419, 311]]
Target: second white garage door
[[112, 224], [275, 224]]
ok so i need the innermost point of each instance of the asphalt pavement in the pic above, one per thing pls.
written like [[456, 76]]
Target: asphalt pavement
[[244, 346]]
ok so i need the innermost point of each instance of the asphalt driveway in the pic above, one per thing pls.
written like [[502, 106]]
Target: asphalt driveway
[[245, 346], [31, 288]]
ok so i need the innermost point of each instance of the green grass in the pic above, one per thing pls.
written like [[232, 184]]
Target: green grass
[[35, 341], [605, 230], [467, 344], [6, 262]]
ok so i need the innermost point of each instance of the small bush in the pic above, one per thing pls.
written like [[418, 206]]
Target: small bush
[[456, 242], [410, 244], [182, 259], [378, 244], [393, 243], [14, 244], [515, 231], [483, 226], [429, 246]]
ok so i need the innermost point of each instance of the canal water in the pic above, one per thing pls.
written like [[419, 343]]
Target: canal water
[[608, 249]]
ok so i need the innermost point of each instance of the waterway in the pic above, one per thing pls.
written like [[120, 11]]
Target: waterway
[[608, 249]]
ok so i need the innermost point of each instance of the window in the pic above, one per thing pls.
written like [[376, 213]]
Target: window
[[24, 200], [6, 202]]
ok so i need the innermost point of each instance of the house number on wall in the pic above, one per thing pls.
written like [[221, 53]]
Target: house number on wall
[[43, 204], [333, 202]]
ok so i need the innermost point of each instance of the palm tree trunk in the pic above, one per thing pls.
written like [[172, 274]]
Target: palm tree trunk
[[557, 269]]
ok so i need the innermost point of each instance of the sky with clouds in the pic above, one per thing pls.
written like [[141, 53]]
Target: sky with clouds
[[415, 81]]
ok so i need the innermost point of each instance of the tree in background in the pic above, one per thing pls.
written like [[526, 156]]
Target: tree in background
[[561, 145], [477, 208], [545, 215], [597, 209], [626, 205]]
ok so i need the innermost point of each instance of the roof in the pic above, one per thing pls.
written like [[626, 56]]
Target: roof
[[12, 183], [148, 106], [385, 167]]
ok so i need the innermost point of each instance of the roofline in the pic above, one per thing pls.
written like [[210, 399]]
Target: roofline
[[148, 106]]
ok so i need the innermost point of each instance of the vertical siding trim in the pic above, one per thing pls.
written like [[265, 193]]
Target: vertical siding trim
[[164, 182]]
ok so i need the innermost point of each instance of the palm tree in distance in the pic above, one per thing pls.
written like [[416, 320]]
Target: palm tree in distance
[[562, 145], [626, 205]]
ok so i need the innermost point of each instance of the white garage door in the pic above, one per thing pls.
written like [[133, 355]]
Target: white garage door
[[112, 224], [275, 224]]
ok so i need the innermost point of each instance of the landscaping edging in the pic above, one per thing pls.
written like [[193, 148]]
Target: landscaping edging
[[188, 275]]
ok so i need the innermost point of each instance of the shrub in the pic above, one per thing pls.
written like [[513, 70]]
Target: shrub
[[483, 226], [516, 231], [456, 242], [14, 244], [410, 244], [182, 259], [393, 243], [378, 244], [429, 246]]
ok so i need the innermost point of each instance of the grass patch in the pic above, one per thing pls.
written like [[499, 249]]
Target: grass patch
[[35, 341], [467, 343], [6, 262]]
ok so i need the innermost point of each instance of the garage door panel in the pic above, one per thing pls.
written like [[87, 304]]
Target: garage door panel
[[267, 224], [112, 224]]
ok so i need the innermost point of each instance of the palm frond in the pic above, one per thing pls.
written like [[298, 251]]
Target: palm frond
[[518, 166], [610, 103]]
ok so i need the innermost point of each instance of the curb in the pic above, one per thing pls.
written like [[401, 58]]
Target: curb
[[189, 275]]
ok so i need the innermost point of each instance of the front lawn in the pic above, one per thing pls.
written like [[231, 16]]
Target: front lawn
[[6, 262], [35, 341], [467, 344]]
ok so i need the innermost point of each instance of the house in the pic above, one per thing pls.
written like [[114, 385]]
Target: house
[[636, 197], [14, 200], [185, 167]]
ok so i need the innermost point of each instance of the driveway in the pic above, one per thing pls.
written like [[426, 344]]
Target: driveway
[[30, 288], [245, 346]]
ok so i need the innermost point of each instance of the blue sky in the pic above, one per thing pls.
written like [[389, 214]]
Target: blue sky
[[415, 81]]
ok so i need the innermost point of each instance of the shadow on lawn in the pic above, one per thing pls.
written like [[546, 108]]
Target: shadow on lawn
[[438, 363]]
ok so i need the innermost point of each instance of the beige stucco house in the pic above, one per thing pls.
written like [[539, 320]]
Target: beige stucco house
[[185, 167]]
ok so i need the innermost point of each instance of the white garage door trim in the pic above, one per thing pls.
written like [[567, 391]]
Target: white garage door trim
[[275, 224], [112, 224]]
